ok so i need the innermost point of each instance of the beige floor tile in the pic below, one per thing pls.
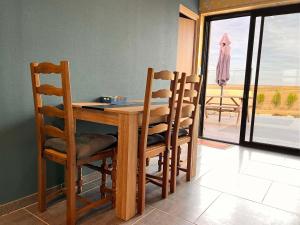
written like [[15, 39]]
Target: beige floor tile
[[229, 160], [273, 172], [108, 217], [284, 197], [292, 162], [158, 217], [20, 217], [230, 210], [244, 186], [187, 203], [54, 215], [267, 157]]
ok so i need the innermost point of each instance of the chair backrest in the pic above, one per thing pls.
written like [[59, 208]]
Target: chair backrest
[[186, 110], [166, 111], [41, 111]]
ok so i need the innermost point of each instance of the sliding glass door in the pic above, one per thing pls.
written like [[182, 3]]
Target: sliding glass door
[[275, 85], [270, 105]]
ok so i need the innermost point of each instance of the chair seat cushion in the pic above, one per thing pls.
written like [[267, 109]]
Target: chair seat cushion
[[160, 138], [182, 132], [86, 144], [155, 139], [151, 140]]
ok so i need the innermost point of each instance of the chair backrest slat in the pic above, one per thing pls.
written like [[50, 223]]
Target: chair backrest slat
[[52, 131], [187, 110], [47, 68], [193, 79], [47, 89], [164, 75], [190, 93], [43, 130], [186, 122], [162, 127], [162, 93], [160, 111], [51, 111]]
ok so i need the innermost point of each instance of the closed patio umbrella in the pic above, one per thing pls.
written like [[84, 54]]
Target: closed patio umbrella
[[223, 67]]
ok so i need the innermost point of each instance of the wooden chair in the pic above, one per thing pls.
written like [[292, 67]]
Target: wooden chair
[[152, 142], [184, 125], [61, 146]]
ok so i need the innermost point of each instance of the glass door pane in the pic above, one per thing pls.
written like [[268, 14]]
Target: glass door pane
[[223, 104], [276, 118]]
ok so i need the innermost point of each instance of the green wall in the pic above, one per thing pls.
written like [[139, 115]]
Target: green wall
[[110, 44]]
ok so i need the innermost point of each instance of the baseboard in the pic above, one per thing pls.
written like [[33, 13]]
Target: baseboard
[[90, 181]]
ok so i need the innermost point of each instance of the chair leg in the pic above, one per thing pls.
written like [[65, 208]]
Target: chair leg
[[178, 159], [189, 162], [160, 158], [79, 179], [165, 181], [42, 184], [103, 179], [173, 169], [71, 193], [113, 179], [141, 185]]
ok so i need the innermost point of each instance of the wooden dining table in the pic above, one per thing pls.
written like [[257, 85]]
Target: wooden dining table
[[127, 119]]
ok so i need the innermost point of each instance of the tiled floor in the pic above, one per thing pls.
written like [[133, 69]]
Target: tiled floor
[[236, 186]]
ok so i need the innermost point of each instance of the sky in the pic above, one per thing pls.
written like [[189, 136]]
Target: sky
[[280, 59]]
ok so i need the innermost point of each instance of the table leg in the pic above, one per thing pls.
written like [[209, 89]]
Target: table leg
[[127, 166], [194, 144]]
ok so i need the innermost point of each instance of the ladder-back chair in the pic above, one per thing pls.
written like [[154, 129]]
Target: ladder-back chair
[[62, 147], [185, 125], [152, 142]]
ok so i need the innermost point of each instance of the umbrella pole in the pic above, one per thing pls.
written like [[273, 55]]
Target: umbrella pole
[[221, 101]]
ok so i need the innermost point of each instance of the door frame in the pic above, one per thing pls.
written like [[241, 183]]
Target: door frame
[[193, 16], [205, 33]]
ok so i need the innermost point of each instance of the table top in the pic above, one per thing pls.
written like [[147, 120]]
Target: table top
[[122, 109]]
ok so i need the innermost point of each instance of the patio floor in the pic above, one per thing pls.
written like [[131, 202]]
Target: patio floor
[[277, 130]]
